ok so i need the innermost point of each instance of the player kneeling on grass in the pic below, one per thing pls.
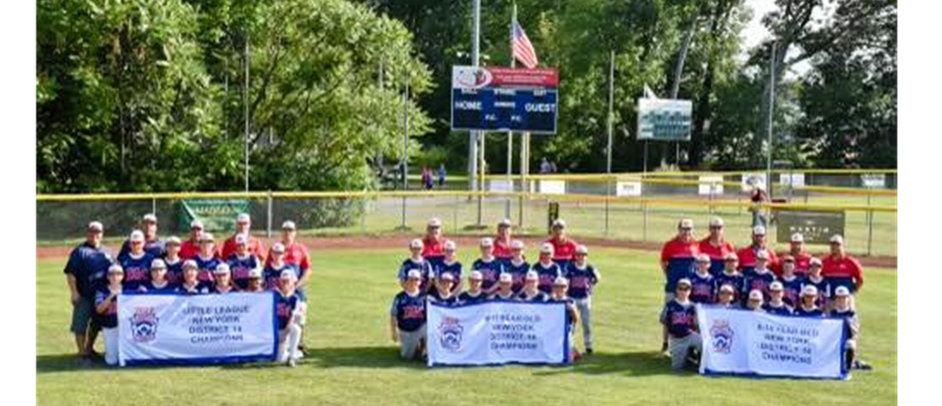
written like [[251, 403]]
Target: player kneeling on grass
[[290, 311], [474, 294], [191, 284], [842, 310], [106, 311], [158, 282], [754, 301], [807, 306], [776, 304], [407, 317], [680, 323], [582, 277], [444, 293], [223, 276], [504, 288], [726, 297], [531, 291], [255, 284], [560, 294]]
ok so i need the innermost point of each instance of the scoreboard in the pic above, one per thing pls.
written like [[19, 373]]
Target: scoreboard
[[504, 99]]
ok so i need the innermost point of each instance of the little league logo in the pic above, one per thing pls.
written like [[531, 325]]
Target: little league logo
[[722, 335], [450, 334], [144, 324]]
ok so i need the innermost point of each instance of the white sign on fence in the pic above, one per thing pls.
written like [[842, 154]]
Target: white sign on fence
[[500, 186], [710, 185], [873, 180], [553, 187], [792, 179], [629, 188]]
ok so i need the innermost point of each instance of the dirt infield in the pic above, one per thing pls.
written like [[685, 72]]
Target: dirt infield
[[402, 241]]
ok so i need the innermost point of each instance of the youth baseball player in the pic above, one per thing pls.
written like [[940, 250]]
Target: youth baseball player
[[791, 283], [504, 288], [407, 317], [726, 296], [452, 266], [191, 284], [716, 247], [158, 282], [703, 284], [242, 261], [731, 277], [223, 277], [474, 294], [843, 311], [547, 269], [276, 265], [152, 245], [173, 261], [207, 260], [518, 266], [776, 305], [679, 319], [296, 256], [819, 282], [489, 267], [807, 308], [761, 276], [289, 310], [417, 262], [106, 311], [677, 262], [530, 292], [560, 289], [581, 278], [86, 270], [444, 294], [136, 263], [755, 301]]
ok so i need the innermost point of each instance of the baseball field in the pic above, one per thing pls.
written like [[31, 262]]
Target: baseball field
[[352, 361]]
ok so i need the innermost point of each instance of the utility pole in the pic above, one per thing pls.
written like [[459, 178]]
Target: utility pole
[[245, 102], [473, 136], [768, 169]]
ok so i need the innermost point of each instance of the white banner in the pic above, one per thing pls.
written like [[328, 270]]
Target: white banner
[[500, 186], [710, 186], [753, 343], [791, 179], [494, 333], [553, 187], [205, 329], [628, 188]]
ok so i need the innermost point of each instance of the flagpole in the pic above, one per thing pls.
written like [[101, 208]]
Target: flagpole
[[510, 134]]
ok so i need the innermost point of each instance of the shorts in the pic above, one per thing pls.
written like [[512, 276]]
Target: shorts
[[82, 313]]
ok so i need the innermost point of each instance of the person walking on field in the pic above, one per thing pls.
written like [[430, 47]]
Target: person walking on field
[[441, 176]]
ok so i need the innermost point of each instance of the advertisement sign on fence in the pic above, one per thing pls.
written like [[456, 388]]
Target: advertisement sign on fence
[[816, 226], [630, 188], [710, 186], [504, 99], [664, 119], [873, 180], [216, 214]]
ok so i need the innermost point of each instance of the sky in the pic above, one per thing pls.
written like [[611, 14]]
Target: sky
[[755, 33]]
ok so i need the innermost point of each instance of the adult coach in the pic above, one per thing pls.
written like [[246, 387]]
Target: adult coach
[[747, 255], [87, 267], [801, 256], [243, 227], [295, 255], [840, 269], [716, 247], [191, 247], [678, 258], [502, 242], [433, 243], [564, 248]]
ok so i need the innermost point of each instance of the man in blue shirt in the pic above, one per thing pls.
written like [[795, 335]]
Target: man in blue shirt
[[86, 270]]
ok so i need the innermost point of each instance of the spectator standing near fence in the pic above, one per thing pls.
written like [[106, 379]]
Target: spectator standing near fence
[[152, 244], [191, 247], [243, 226], [545, 167], [716, 247], [678, 258], [85, 271], [441, 176], [758, 198]]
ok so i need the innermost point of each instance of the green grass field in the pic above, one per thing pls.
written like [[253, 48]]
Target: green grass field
[[352, 360]]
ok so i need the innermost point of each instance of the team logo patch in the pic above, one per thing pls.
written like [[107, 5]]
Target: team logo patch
[[450, 331], [722, 335], [144, 324]]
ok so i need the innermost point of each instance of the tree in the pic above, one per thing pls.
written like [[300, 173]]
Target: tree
[[325, 96], [849, 98], [797, 23], [123, 101]]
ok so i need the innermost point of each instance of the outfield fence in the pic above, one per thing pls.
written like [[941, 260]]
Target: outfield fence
[[869, 215]]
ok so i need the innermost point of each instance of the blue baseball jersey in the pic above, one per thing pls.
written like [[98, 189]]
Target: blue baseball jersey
[[581, 280], [490, 272], [446, 301], [497, 296], [201, 288], [232, 289], [783, 310], [156, 248], [271, 275], [518, 272], [823, 289], [816, 312], [466, 297], [136, 271], [735, 280], [110, 318], [758, 281], [409, 311], [453, 268], [424, 267], [703, 288], [174, 271], [206, 267], [679, 318], [89, 266], [547, 274], [791, 289], [850, 319], [538, 297], [284, 308], [570, 310], [149, 287], [240, 268], [835, 282]]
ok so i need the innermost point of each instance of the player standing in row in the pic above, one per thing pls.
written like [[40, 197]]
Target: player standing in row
[[560, 289], [564, 249], [106, 311], [158, 282], [840, 269], [190, 248], [531, 291], [503, 241], [842, 310], [679, 319], [489, 267], [242, 261], [451, 266], [518, 266], [677, 262], [716, 247], [152, 243], [433, 243], [290, 310], [208, 259], [791, 283], [173, 261], [243, 226], [296, 256], [761, 276], [819, 282], [417, 263], [582, 278], [86, 269], [702, 283], [191, 283], [747, 255], [548, 269], [732, 278], [136, 262], [407, 317]]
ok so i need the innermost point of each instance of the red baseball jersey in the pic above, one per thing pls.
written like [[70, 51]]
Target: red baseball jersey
[[747, 258], [717, 253], [678, 249], [433, 248], [255, 245], [189, 250], [842, 271], [502, 248], [802, 263], [296, 255], [563, 250]]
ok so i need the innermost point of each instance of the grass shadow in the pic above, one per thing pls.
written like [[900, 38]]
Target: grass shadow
[[345, 357], [53, 363], [648, 363]]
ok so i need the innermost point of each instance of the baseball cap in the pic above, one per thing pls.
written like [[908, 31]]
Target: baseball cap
[[703, 258], [95, 226], [241, 239], [758, 230], [777, 286], [842, 291], [287, 274], [755, 294], [158, 264], [207, 237], [196, 224], [685, 224], [243, 218], [788, 258], [434, 222], [516, 245], [221, 269], [190, 264], [278, 248], [447, 277], [450, 245], [137, 236], [797, 237], [255, 273], [814, 261], [115, 268], [414, 274], [487, 242], [762, 254], [732, 257], [559, 223], [809, 290], [560, 281], [546, 248], [173, 240], [532, 276], [288, 225], [416, 243], [150, 218], [582, 250], [727, 288], [684, 282], [837, 239], [504, 223], [476, 276], [716, 222], [506, 277]]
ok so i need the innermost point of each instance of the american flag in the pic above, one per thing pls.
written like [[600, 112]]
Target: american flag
[[523, 49]]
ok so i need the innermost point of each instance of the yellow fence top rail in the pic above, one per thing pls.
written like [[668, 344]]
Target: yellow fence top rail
[[584, 198]]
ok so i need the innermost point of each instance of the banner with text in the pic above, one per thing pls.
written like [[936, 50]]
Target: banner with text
[[494, 333], [742, 342], [175, 329]]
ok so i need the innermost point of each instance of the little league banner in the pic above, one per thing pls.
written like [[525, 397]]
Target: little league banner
[[495, 333], [176, 329], [739, 342]]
